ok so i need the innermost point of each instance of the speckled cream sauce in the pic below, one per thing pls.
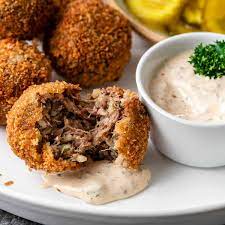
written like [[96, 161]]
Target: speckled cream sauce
[[100, 182], [179, 91]]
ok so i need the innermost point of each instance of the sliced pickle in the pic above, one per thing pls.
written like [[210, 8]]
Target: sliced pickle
[[181, 27], [214, 16], [193, 12], [161, 12]]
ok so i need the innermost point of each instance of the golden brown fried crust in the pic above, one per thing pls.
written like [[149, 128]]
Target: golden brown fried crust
[[131, 131], [91, 43], [21, 65], [24, 19]]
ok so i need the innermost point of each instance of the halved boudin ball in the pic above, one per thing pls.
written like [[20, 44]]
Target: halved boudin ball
[[24, 19], [21, 65], [54, 128], [91, 43]]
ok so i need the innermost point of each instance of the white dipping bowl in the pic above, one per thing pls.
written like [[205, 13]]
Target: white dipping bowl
[[198, 144]]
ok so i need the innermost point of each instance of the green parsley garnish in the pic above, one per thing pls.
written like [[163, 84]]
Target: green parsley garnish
[[209, 60]]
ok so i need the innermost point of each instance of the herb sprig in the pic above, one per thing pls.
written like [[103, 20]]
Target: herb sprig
[[209, 60]]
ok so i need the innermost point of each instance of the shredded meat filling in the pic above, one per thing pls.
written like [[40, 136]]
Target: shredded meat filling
[[77, 128]]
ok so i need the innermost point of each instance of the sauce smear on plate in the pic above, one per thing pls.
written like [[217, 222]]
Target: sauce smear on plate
[[100, 182]]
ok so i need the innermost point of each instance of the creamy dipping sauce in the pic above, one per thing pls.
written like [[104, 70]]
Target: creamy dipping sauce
[[100, 182], [179, 91]]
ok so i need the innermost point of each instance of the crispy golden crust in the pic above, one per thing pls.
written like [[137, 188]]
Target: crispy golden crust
[[21, 65], [91, 43], [131, 132], [24, 19]]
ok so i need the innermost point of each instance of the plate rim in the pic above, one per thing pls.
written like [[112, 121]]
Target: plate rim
[[10, 196]]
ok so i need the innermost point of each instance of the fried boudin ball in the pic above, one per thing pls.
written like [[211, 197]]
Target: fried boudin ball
[[54, 128], [91, 43], [24, 19], [21, 65]]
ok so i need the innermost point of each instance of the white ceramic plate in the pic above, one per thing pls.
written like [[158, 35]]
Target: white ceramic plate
[[177, 194]]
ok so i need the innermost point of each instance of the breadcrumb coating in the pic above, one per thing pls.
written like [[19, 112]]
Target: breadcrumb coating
[[21, 65], [91, 43], [24, 19], [131, 131]]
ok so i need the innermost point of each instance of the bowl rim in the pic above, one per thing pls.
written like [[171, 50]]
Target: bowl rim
[[145, 59]]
